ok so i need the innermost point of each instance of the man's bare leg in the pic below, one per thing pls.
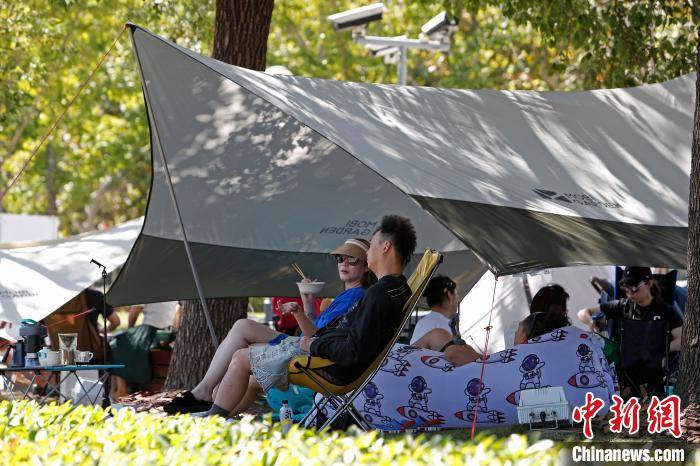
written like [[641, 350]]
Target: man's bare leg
[[234, 384], [251, 394], [244, 332]]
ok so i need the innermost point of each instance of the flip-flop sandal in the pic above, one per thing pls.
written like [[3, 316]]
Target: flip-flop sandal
[[185, 402]]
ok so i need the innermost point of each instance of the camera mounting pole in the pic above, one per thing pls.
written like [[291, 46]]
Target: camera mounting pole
[[435, 35], [401, 46]]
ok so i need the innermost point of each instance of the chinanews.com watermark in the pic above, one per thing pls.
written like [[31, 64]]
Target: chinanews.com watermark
[[610, 453], [662, 417]]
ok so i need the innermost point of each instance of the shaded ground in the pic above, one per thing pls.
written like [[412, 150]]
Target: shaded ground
[[145, 401]]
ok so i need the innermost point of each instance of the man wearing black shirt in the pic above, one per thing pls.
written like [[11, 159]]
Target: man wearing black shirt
[[646, 322], [352, 342]]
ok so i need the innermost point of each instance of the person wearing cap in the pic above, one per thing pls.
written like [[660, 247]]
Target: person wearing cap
[[351, 258], [437, 330], [647, 322]]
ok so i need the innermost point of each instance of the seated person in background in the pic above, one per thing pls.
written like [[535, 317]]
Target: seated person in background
[[351, 341], [156, 315], [438, 330], [646, 321], [132, 347], [551, 298], [351, 257], [285, 322], [537, 324]]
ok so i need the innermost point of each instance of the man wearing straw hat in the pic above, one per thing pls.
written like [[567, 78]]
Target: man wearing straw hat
[[351, 341], [351, 258]]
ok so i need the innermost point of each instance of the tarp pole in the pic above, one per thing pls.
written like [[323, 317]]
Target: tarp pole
[[403, 66], [190, 259]]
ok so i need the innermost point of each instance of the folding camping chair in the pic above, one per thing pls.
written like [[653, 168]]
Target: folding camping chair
[[303, 370]]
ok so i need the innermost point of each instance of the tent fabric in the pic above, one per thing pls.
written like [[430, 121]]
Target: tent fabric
[[37, 278], [279, 166]]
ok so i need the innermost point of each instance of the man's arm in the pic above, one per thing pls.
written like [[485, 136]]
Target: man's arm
[[435, 340], [676, 335], [305, 344], [134, 313], [350, 346], [338, 345], [586, 315], [459, 355], [113, 322]]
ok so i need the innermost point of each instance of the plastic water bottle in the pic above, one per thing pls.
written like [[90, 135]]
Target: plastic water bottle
[[286, 416]]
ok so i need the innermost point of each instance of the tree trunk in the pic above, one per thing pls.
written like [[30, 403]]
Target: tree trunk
[[240, 34], [193, 349], [240, 38], [689, 382]]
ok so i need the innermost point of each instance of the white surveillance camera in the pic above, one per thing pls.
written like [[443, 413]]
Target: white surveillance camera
[[393, 57], [440, 26], [391, 53], [357, 17], [383, 50]]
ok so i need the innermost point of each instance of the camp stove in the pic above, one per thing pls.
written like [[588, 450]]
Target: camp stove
[[33, 334]]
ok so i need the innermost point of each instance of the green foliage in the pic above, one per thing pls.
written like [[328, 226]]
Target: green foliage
[[97, 161], [612, 43], [58, 434]]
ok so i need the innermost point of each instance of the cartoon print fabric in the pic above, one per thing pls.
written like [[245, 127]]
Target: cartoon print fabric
[[417, 388]]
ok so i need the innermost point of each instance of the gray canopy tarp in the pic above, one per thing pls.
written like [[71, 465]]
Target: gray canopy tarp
[[273, 169]]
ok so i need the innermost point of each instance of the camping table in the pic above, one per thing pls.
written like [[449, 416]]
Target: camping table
[[55, 388]]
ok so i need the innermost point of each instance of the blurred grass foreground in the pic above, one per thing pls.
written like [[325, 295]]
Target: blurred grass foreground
[[64, 434]]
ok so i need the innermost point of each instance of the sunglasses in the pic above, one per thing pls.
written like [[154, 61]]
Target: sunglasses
[[632, 289], [351, 260], [449, 286]]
